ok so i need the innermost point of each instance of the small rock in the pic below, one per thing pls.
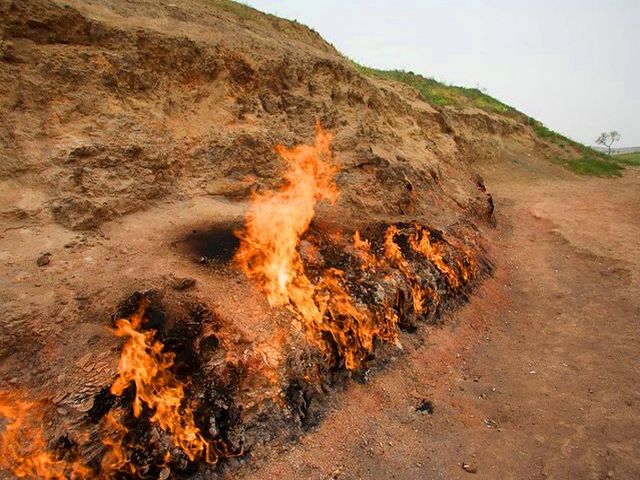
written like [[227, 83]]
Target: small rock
[[469, 467], [490, 423], [59, 397], [86, 406], [101, 366], [164, 473], [182, 283], [43, 260], [83, 360]]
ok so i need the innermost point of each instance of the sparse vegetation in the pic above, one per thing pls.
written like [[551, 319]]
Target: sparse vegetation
[[632, 159], [607, 139], [590, 161], [589, 164], [241, 10], [441, 94]]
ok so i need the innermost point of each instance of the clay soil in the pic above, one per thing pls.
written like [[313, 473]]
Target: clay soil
[[535, 378]]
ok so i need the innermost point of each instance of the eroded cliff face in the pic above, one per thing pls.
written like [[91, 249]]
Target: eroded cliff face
[[108, 108]]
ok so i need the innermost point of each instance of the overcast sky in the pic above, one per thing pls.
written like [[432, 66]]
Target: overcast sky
[[573, 64]]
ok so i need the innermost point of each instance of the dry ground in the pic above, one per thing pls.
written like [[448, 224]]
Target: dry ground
[[536, 378]]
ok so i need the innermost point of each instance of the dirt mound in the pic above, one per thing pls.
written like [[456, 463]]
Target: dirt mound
[[134, 136]]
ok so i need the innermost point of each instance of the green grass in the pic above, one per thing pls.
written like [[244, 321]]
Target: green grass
[[593, 165], [240, 10], [589, 161], [441, 94], [632, 159]]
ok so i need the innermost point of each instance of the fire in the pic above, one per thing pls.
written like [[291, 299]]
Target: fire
[[144, 363], [269, 254], [276, 220], [115, 458], [421, 242], [23, 448], [393, 252], [400, 273]]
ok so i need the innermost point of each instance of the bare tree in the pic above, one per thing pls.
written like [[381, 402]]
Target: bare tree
[[607, 139]]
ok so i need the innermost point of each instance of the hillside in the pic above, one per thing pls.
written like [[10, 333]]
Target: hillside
[[213, 224]]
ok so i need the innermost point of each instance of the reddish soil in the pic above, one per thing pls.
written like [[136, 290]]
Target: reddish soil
[[535, 378]]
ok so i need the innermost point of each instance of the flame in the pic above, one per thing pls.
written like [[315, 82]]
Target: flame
[[269, 254], [115, 458], [363, 250], [23, 448], [144, 363], [393, 252], [421, 242], [268, 250]]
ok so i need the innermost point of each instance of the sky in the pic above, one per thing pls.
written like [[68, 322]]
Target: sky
[[572, 64]]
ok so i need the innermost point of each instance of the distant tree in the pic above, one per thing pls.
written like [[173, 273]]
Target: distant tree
[[607, 139]]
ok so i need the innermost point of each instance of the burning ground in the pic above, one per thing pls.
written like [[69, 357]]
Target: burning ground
[[187, 394], [177, 289]]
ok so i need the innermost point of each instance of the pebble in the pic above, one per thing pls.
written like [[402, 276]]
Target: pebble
[[43, 260], [86, 406], [469, 467], [59, 397], [83, 360], [182, 283]]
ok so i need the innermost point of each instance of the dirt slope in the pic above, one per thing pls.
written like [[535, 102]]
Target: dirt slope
[[537, 376]]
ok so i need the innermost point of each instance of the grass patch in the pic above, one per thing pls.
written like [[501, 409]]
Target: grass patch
[[440, 94], [593, 165], [240, 10], [632, 159], [586, 161]]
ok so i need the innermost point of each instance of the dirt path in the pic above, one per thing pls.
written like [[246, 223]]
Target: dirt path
[[536, 378]]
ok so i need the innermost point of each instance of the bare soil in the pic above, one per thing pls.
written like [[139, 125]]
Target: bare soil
[[537, 375]]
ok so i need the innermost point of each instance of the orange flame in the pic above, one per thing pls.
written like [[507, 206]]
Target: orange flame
[[269, 254], [393, 252], [268, 250], [144, 363], [115, 458], [421, 242], [23, 449]]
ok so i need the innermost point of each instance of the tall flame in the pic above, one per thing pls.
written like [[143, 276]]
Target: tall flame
[[276, 220], [269, 254], [144, 363]]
